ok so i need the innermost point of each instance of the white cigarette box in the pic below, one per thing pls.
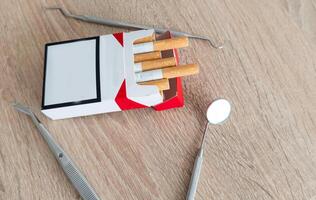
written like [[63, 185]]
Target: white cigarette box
[[96, 75]]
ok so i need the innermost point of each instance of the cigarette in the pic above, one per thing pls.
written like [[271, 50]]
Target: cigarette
[[145, 39], [161, 93], [147, 56], [170, 72], [161, 45], [162, 84], [154, 64]]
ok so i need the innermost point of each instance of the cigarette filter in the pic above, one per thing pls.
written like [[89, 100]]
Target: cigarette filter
[[145, 39], [161, 45], [170, 72], [162, 84], [147, 56], [154, 64]]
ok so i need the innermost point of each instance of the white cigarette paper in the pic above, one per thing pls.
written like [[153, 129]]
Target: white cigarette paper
[[138, 67], [149, 75], [143, 47]]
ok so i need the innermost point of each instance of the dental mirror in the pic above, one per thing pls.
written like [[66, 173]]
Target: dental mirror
[[217, 112]]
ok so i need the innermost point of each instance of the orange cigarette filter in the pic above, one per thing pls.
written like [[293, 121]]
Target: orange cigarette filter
[[172, 43], [169, 72], [156, 64], [147, 56], [181, 70], [161, 45], [162, 84], [145, 39]]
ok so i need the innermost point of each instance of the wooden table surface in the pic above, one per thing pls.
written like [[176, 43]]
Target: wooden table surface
[[266, 150]]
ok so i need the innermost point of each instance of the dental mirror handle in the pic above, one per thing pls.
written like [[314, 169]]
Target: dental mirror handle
[[195, 175]]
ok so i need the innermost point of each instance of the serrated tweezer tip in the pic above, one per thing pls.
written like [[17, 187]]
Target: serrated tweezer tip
[[21, 108]]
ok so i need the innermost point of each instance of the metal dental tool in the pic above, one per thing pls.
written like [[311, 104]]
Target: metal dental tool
[[120, 24], [217, 112], [72, 172]]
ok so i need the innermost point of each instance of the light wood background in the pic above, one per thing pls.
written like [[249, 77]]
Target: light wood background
[[266, 150]]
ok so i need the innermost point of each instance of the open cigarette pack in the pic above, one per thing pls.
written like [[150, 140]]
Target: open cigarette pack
[[99, 75]]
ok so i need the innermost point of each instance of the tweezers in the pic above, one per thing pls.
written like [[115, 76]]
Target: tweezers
[[76, 178]]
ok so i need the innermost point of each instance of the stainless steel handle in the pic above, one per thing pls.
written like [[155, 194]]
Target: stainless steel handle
[[76, 178], [195, 175], [70, 169]]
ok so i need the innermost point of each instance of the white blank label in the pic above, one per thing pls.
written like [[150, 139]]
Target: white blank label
[[71, 72]]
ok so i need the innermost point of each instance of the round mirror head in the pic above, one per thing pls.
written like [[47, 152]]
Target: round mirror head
[[218, 111]]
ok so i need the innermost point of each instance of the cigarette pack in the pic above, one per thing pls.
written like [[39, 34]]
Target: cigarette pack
[[95, 75]]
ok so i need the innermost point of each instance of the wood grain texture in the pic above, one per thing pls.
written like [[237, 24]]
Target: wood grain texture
[[266, 150]]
